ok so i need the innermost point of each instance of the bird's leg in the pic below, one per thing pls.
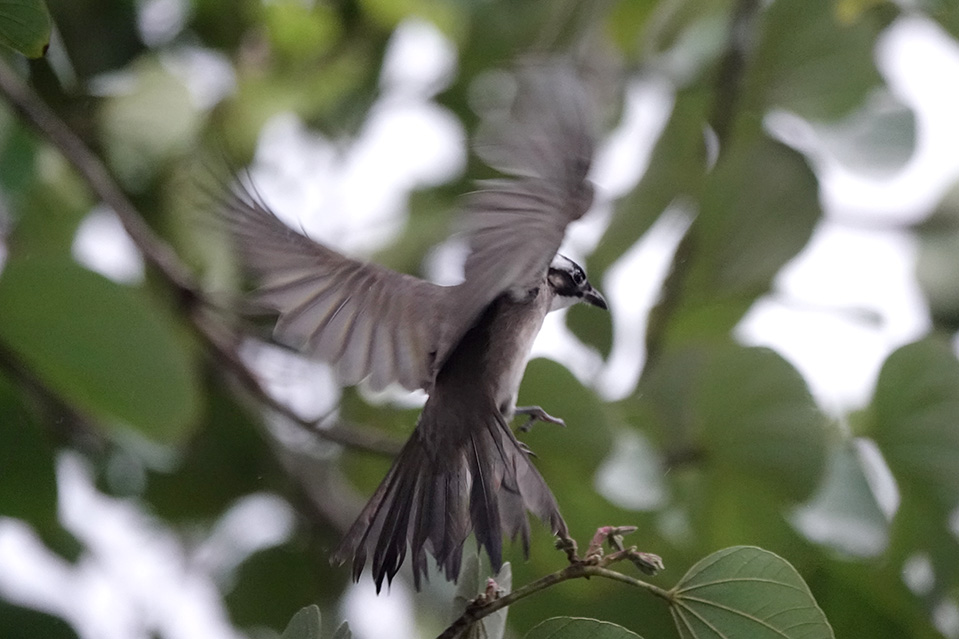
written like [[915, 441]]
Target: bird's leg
[[536, 413]]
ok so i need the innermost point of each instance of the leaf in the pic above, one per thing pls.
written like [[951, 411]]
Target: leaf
[[154, 120], [343, 631], [746, 592], [25, 26], [105, 348], [579, 628], [769, 427], [223, 461], [937, 269], [810, 62], [28, 490], [305, 624], [869, 600], [16, 621], [844, 513], [676, 168], [592, 328], [757, 210], [745, 411], [916, 420], [875, 140]]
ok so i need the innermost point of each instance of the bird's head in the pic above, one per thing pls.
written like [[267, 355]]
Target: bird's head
[[569, 284]]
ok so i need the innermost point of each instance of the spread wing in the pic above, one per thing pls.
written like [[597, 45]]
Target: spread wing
[[370, 321], [544, 145], [364, 319]]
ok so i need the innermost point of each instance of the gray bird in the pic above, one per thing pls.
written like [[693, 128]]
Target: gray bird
[[466, 345]]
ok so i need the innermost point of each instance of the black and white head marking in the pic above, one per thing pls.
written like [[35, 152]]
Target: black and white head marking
[[569, 284]]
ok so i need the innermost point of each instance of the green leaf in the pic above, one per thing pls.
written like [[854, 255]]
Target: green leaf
[[25, 26], [223, 461], [758, 209], [769, 427], [272, 583], [916, 419], [594, 328], [863, 599], [579, 628], [945, 12], [746, 592], [105, 348], [844, 513], [676, 168], [153, 121], [305, 624], [28, 490], [937, 269], [875, 140], [802, 47], [28, 487], [16, 621], [745, 411]]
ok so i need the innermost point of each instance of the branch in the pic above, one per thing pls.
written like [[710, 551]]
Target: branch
[[223, 343], [220, 341], [34, 111], [593, 565], [732, 68]]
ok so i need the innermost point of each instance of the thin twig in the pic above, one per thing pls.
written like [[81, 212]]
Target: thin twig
[[594, 564], [223, 343], [34, 111], [580, 570], [160, 256]]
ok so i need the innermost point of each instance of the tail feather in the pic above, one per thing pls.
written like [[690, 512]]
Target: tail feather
[[438, 490], [484, 502]]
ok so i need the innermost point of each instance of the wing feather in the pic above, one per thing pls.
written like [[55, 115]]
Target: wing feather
[[366, 320], [515, 225], [371, 322]]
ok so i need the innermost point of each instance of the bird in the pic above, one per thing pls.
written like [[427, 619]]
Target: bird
[[462, 469]]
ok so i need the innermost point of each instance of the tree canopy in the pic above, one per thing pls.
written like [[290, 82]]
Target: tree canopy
[[133, 397]]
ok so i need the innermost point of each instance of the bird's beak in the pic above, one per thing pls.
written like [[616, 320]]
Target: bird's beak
[[592, 296]]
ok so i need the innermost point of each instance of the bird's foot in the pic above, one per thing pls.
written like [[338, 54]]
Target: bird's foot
[[536, 414], [568, 545]]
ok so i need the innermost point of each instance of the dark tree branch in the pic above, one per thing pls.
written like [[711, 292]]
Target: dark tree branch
[[42, 118], [224, 345], [219, 340]]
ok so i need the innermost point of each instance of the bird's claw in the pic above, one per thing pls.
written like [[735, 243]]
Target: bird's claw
[[536, 414]]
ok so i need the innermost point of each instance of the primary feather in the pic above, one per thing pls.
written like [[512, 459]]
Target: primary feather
[[462, 469]]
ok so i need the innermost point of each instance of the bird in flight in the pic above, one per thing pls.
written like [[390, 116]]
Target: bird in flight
[[466, 345]]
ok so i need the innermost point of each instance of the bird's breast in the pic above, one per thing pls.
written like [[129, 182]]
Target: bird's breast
[[488, 362]]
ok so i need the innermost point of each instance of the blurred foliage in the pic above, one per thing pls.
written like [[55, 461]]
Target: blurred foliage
[[738, 449], [25, 27]]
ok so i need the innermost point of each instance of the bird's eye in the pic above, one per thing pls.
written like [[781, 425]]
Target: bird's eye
[[578, 278]]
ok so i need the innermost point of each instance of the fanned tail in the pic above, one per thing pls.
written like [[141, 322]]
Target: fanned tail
[[483, 481]]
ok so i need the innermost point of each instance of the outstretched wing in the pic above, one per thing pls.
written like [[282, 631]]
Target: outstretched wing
[[370, 321], [366, 320], [544, 144]]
